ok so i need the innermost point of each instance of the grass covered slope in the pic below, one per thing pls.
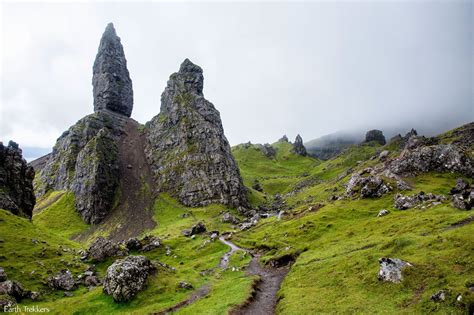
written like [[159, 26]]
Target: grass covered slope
[[30, 254], [194, 260]]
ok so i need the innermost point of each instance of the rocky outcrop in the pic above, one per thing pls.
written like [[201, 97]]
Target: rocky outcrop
[[112, 86], [440, 158], [126, 277], [197, 228], [298, 146], [62, 281], [370, 186], [16, 181], [402, 202], [267, 150], [85, 159], [391, 269], [190, 156], [375, 135], [101, 249], [463, 195], [283, 139]]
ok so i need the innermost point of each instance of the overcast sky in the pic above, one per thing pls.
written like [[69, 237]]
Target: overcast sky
[[270, 68]]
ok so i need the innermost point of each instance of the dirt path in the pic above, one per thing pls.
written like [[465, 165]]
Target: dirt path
[[199, 293], [265, 298]]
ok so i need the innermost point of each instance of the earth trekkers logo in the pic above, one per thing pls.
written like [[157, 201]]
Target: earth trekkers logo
[[26, 309]]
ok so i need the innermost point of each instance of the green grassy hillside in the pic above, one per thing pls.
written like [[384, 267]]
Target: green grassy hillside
[[336, 245]]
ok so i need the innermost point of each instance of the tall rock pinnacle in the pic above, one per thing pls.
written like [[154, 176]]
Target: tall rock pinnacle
[[298, 146], [187, 149], [112, 86]]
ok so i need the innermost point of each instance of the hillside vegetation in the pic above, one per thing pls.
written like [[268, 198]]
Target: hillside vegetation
[[333, 243]]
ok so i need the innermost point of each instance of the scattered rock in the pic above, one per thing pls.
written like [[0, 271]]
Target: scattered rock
[[3, 275], [375, 135], [463, 195], [229, 218], [102, 249], [91, 281], [185, 285], [383, 155], [133, 244], [150, 243], [34, 296], [62, 281], [391, 269], [12, 288], [367, 187], [383, 212], [439, 296], [67, 294], [257, 186], [439, 158], [298, 146], [406, 202], [126, 277], [6, 302], [16, 181]]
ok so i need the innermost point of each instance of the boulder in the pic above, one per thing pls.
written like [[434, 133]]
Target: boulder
[[101, 249], [112, 86], [391, 269], [375, 135], [383, 212], [62, 281], [185, 285], [402, 202], [229, 218], [186, 147], [150, 243], [463, 195], [126, 277], [133, 244], [383, 155], [366, 186], [12, 288], [16, 181], [267, 150], [298, 146], [6, 302], [439, 296], [3, 275]]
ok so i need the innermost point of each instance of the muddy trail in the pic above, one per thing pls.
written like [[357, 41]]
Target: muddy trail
[[133, 213], [264, 299]]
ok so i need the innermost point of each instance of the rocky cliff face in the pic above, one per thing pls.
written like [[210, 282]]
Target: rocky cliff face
[[375, 135], [298, 146], [112, 86], [189, 154], [16, 181], [85, 158]]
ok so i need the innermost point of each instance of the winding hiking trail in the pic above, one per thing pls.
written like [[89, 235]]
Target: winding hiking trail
[[264, 299]]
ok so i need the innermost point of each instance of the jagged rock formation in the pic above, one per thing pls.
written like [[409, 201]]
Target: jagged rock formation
[[402, 141], [440, 158], [16, 181], [391, 269], [112, 86], [267, 150], [189, 154], [375, 135], [85, 159], [298, 146], [283, 139]]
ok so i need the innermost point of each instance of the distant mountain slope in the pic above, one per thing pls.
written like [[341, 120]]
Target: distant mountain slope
[[330, 145]]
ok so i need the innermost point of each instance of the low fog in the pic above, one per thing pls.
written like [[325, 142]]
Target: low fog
[[311, 68]]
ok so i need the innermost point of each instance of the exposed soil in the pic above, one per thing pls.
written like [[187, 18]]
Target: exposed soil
[[461, 223], [264, 298], [199, 293], [133, 213]]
